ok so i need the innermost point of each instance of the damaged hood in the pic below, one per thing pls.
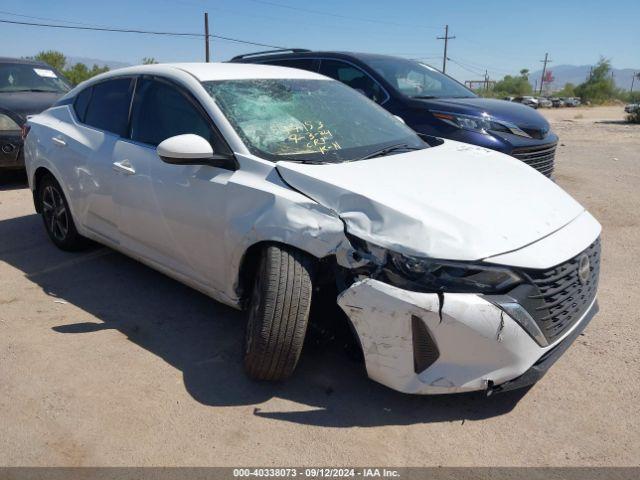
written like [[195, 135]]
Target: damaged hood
[[454, 201]]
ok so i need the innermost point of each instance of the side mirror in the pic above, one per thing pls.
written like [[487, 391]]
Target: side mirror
[[190, 149]]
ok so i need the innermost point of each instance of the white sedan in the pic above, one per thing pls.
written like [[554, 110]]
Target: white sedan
[[459, 267]]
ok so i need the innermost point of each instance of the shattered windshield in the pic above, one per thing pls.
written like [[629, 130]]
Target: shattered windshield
[[308, 120]]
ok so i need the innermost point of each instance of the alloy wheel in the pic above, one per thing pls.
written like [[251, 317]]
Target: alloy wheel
[[55, 213]]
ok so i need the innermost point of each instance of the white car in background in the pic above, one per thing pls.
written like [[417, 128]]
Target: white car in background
[[459, 268], [631, 107], [527, 100], [544, 102], [571, 102]]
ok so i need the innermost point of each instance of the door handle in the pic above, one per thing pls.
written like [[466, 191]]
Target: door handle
[[59, 141], [123, 166]]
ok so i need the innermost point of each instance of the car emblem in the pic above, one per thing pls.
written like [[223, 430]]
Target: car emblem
[[584, 269]]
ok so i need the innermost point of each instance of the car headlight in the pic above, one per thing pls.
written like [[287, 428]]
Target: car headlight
[[482, 124], [429, 275], [8, 124]]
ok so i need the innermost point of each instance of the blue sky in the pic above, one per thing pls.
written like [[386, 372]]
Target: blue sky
[[501, 36]]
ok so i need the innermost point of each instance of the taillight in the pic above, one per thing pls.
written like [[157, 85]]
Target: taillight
[[24, 131]]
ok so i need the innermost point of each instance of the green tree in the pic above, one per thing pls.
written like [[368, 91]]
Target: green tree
[[600, 86], [75, 73], [149, 61], [569, 90], [56, 59], [513, 85], [80, 72]]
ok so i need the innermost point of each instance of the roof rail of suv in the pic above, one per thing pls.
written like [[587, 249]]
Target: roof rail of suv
[[269, 52]]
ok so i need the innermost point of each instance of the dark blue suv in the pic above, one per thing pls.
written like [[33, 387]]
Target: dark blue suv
[[430, 102]]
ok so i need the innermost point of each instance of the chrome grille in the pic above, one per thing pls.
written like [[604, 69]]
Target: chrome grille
[[561, 296], [541, 157]]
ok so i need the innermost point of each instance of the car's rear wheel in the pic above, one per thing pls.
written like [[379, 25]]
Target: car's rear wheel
[[278, 313], [57, 216]]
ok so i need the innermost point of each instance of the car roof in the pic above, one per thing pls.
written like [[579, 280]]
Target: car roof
[[304, 53], [217, 71], [362, 57], [299, 53], [23, 61]]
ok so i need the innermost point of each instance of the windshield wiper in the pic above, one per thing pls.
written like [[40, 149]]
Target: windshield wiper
[[308, 162], [387, 150], [424, 97]]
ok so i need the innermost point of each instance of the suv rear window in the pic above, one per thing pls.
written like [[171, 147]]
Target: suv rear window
[[109, 106], [354, 77]]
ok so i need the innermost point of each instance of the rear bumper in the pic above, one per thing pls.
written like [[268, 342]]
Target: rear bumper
[[11, 154], [422, 343]]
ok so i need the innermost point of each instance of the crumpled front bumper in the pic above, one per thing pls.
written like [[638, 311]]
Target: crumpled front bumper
[[469, 343]]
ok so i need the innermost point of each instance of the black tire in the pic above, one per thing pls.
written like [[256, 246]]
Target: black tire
[[278, 313], [57, 218]]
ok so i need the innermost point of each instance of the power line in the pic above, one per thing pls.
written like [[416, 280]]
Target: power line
[[103, 29], [422, 59], [281, 19], [490, 49], [544, 69], [337, 15], [467, 66], [50, 19], [446, 39], [482, 66], [470, 70], [206, 37], [145, 32]]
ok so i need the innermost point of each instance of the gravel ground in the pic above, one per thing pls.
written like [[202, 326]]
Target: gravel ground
[[106, 362]]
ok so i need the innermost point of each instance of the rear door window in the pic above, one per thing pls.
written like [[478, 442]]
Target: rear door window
[[81, 103], [354, 77], [109, 106]]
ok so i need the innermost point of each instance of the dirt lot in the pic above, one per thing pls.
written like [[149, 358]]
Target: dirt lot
[[106, 362]]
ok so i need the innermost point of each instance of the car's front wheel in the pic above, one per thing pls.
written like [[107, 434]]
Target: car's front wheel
[[57, 216], [278, 313]]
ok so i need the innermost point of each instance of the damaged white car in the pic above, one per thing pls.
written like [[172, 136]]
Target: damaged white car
[[459, 268]]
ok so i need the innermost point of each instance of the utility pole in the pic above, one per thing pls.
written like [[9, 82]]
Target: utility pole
[[206, 37], [544, 70], [633, 78], [486, 81], [446, 39]]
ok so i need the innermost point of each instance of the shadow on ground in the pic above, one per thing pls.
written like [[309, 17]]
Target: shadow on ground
[[614, 122], [13, 180], [203, 339]]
